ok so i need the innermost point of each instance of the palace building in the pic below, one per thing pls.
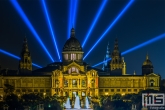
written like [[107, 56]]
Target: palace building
[[73, 76]]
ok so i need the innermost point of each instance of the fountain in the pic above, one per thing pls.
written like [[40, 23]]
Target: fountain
[[77, 102], [87, 103], [67, 105]]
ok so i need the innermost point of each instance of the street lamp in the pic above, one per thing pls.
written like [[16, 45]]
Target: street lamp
[[44, 94]]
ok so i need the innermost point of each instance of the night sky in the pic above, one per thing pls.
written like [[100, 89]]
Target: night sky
[[144, 20]]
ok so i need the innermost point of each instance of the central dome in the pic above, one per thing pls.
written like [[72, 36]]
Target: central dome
[[72, 44]]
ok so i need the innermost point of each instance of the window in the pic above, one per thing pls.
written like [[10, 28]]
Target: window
[[123, 90], [73, 56], [29, 90], [74, 83], [79, 56], [73, 69], [83, 83], [25, 60], [65, 83], [129, 90], [118, 90], [100, 90], [66, 56], [135, 90], [23, 90], [47, 90], [41, 90], [151, 82], [35, 90], [106, 90], [83, 93], [112, 90]]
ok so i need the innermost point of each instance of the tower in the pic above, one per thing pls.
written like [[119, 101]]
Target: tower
[[25, 63], [117, 63], [72, 50], [147, 66], [106, 60]]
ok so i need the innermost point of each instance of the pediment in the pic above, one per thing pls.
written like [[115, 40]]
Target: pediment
[[73, 64], [153, 75]]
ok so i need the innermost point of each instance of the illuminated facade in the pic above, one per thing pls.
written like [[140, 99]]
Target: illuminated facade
[[73, 77]]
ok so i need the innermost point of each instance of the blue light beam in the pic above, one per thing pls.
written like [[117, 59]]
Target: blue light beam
[[50, 27], [16, 57], [27, 22], [111, 25], [75, 2], [72, 15], [137, 47], [69, 19], [95, 20]]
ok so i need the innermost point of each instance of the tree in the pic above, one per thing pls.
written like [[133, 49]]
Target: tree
[[31, 100], [51, 103], [13, 102], [116, 97], [9, 89]]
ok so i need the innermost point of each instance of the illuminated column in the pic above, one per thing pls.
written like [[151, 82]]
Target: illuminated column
[[60, 82], [71, 82], [78, 83], [96, 86]]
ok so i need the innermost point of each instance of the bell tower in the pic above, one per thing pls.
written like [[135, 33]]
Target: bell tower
[[117, 63], [106, 60], [25, 63]]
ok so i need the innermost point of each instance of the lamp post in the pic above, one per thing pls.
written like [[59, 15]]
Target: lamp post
[[44, 94]]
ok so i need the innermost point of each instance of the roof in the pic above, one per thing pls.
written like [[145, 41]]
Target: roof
[[72, 44]]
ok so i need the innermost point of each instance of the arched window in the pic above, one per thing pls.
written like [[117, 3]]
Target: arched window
[[73, 70], [151, 82], [73, 56], [66, 56]]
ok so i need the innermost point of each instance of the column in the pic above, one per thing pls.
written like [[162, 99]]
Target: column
[[52, 82], [71, 83], [78, 83]]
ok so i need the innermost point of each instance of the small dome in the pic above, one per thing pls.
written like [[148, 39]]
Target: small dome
[[72, 44], [147, 61]]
